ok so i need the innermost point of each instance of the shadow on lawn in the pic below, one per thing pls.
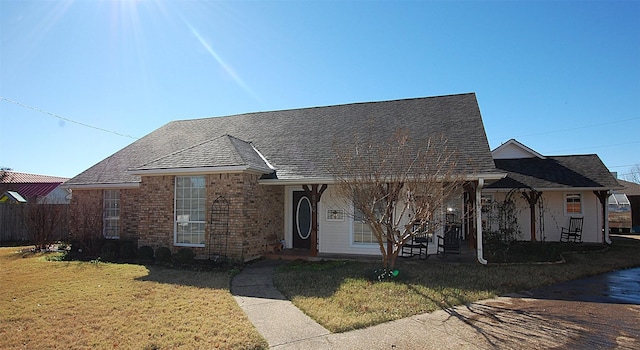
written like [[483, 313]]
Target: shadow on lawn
[[214, 279]]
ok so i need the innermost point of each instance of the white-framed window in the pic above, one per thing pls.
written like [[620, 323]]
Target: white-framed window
[[362, 233], [190, 209], [111, 214], [573, 203]]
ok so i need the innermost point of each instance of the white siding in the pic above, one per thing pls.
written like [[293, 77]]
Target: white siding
[[336, 237], [555, 217]]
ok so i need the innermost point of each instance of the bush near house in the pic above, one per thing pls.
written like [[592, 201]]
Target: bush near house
[[145, 253], [163, 254]]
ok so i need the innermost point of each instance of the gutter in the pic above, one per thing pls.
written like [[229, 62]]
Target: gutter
[[478, 207]]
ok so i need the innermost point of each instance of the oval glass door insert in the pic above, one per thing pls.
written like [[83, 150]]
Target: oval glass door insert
[[303, 220]]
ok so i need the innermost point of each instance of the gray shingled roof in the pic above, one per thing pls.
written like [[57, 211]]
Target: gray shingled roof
[[298, 143], [555, 172], [223, 151]]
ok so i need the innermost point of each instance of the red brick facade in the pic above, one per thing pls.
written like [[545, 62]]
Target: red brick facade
[[255, 217]]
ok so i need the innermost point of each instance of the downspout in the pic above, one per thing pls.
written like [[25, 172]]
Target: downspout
[[605, 217], [478, 209]]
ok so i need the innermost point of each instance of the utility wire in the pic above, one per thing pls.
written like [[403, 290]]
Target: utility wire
[[66, 119], [576, 128]]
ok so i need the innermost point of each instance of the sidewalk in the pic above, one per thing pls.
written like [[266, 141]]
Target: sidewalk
[[534, 320], [274, 316]]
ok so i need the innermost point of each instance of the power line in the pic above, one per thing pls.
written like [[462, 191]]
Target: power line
[[66, 119], [592, 147], [577, 127]]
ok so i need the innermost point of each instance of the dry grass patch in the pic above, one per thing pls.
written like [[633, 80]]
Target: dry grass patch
[[342, 297], [82, 305]]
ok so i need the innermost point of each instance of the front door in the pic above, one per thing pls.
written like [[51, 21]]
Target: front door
[[301, 220]]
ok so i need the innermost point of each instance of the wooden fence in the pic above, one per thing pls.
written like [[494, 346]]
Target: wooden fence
[[13, 227]]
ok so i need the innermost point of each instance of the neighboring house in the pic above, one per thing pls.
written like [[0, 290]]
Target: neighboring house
[[548, 190], [36, 188], [631, 191], [17, 191]]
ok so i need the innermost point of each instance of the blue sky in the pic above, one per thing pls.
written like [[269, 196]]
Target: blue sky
[[79, 79]]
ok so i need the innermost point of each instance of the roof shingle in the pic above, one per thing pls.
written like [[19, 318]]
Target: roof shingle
[[555, 172], [298, 143]]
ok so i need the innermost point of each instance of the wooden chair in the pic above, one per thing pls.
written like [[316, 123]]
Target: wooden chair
[[417, 246], [451, 242], [573, 233]]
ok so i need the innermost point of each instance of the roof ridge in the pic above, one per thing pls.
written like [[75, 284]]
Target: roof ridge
[[182, 150], [328, 106]]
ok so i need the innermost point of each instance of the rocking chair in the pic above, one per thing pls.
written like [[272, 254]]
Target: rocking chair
[[451, 242], [417, 246], [573, 233]]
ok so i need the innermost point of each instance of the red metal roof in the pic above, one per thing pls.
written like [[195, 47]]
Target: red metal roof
[[30, 185], [25, 178]]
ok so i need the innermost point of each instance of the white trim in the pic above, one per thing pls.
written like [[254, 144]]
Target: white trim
[[564, 203], [296, 182], [264, 159], [297, 215], [175, 212], [521, 146], [331, 180], [563, 189], [200, 170]]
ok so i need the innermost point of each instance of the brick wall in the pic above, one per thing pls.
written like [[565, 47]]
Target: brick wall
[[255, 217], [255, 213], [129, 216], [86, 213], [155, 211]]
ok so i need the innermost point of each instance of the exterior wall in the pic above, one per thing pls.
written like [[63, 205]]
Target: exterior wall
[[336, 237], [86, 203], [86, 212], [129, 221], [262, 216], [155, 211], [555, 217], [255, 215]]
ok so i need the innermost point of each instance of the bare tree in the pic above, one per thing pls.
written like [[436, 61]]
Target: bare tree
[[86, 227], [4, 174], [634, 174], [43, 221], [399, 185]]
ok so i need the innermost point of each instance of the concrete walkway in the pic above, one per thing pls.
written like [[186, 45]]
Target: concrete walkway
[[563, 316], [275, 317]]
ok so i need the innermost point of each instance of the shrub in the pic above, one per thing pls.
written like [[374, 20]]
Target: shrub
[[127, 250], [109, 251], [145, 253], [163, 254], [184, 256]]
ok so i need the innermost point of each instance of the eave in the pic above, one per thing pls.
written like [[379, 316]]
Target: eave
[[200, 170]]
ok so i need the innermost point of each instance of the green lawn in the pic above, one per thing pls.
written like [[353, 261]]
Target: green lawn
[[339, 295], [84, 305]]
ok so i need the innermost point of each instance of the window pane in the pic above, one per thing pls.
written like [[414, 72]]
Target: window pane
[[573, 204], [190, 210], [361, 231], [111, 214]]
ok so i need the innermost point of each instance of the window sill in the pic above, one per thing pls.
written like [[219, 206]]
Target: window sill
[[188, 245]]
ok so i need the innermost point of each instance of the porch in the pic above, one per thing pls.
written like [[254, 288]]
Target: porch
[[467, 255]]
